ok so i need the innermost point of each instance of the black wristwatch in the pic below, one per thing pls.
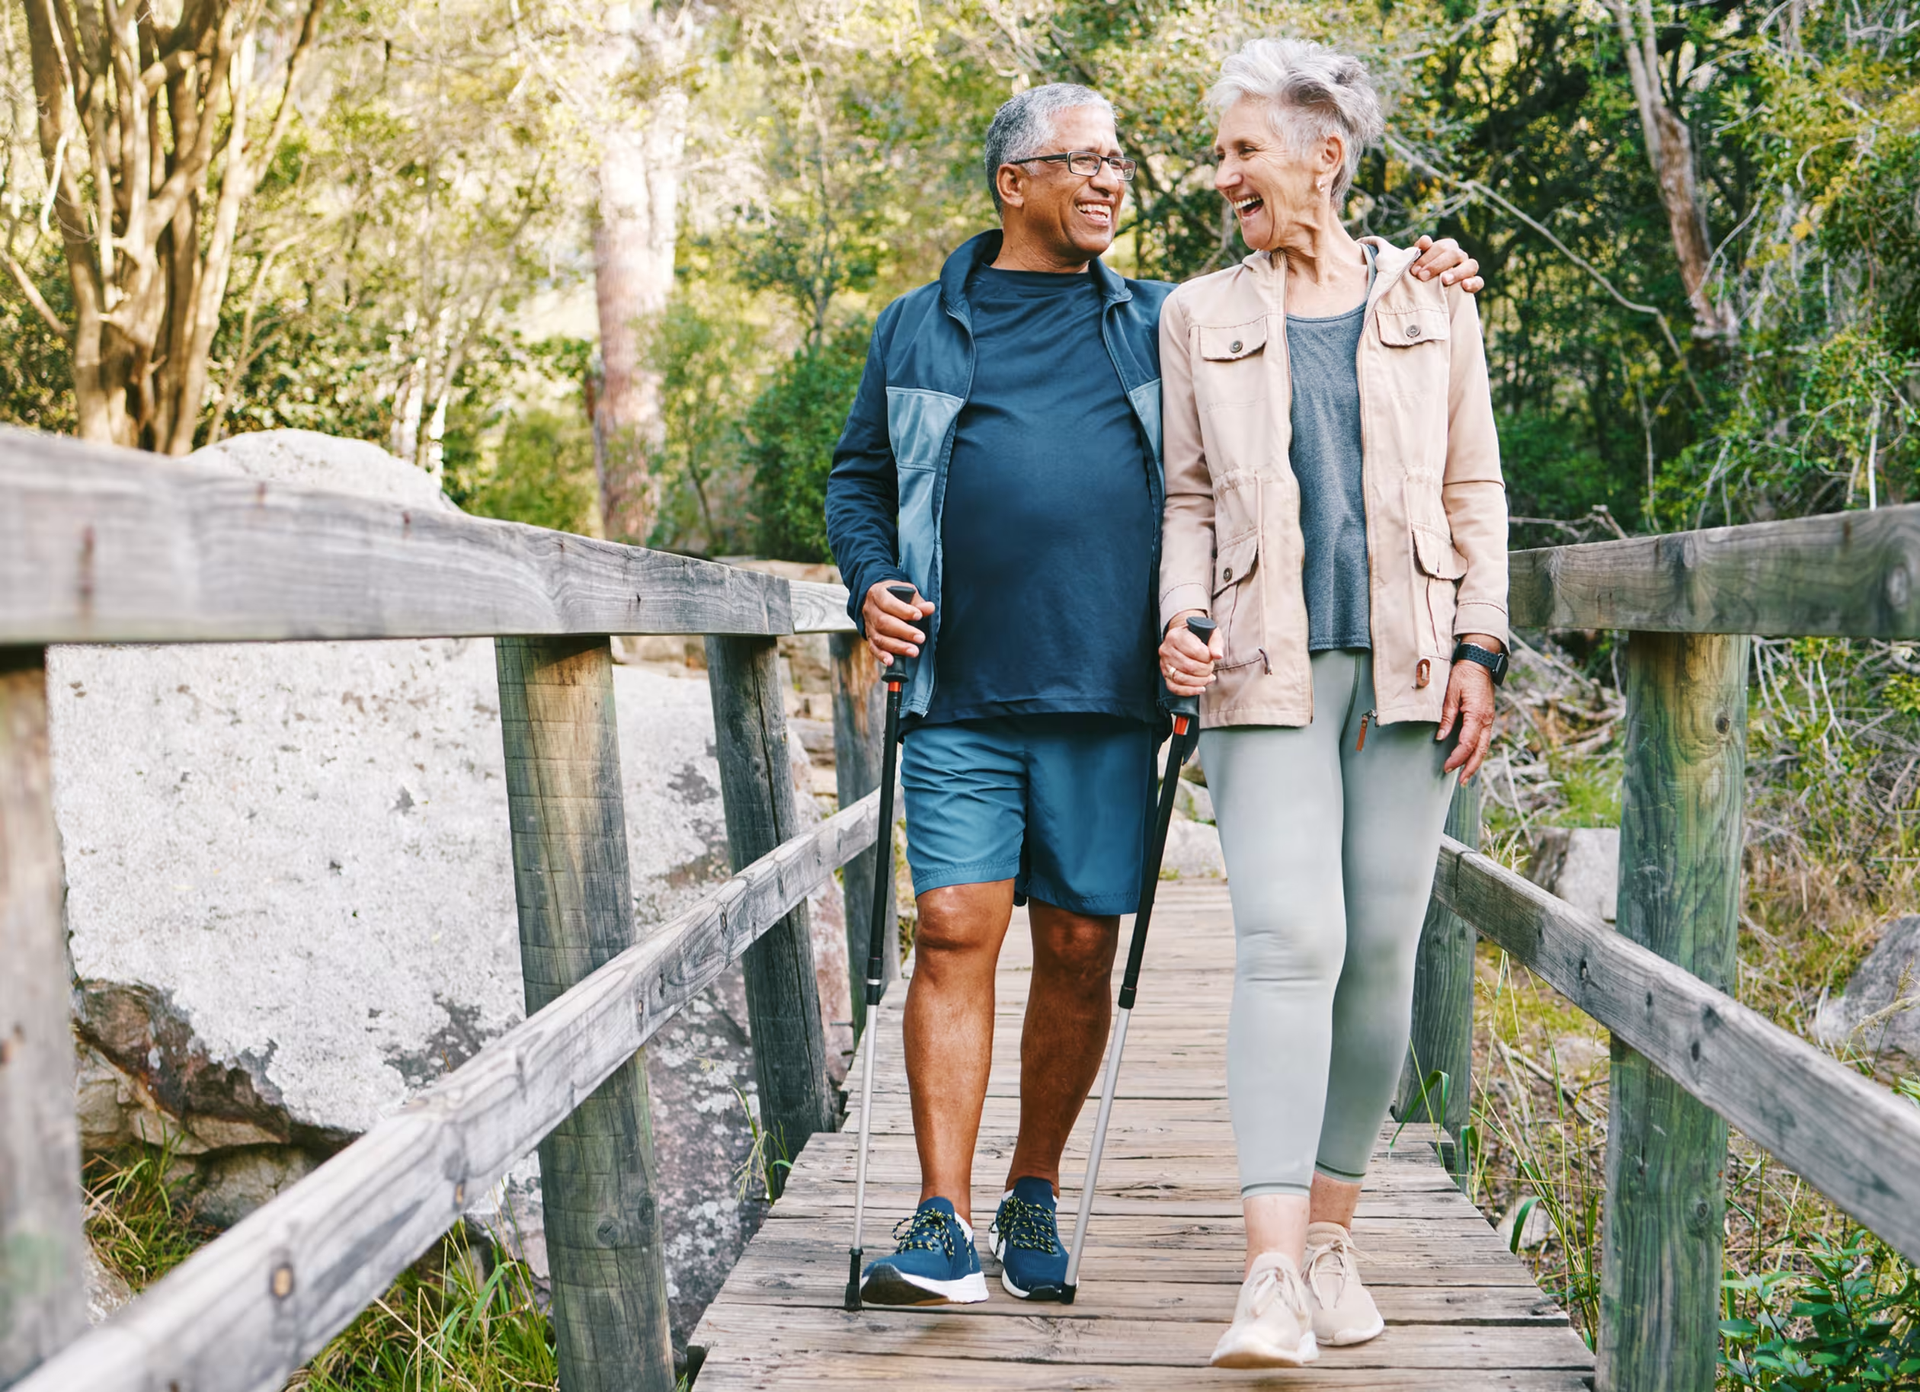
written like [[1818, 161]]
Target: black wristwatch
[[1494, 662]]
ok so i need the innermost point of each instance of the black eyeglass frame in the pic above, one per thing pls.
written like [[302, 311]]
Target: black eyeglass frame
[[1120, 164]]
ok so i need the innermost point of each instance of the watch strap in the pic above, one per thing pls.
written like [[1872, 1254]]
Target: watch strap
[[1495, 663]]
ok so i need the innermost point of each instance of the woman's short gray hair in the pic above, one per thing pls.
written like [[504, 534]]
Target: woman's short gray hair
[[1023, 126], [1311, 92]]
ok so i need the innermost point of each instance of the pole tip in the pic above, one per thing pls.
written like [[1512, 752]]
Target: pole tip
[[1067, 1294], [853, 1280]]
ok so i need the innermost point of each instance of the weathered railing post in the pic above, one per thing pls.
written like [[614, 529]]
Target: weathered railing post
[[1442, 1039], [859, 728], [43, 1301], [1680, 841], [571, 879], [783, 994]]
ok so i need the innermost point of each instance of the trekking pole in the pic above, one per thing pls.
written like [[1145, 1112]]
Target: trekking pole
[[1186, 734], [877, 946]]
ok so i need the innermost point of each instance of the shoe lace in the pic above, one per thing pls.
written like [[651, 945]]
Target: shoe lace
[[1028, 1225], [926, 1231], [1278, 1282], [1335, 1261]]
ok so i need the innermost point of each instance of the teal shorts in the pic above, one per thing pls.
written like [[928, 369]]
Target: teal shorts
[[1060, 805]]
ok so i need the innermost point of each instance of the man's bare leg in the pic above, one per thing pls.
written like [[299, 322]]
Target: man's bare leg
[[1064, 1035], [949, 1030]]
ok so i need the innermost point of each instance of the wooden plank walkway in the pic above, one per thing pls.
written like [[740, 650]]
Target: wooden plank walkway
[[1163, 1260]]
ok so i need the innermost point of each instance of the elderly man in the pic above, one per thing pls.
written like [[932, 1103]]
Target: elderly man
[[1003, 457]]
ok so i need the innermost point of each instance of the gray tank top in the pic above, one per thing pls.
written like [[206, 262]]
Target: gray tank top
[[1323, 357]]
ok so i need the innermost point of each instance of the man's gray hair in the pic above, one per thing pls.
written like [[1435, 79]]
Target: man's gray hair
[[1310, 92], [1022, 127]]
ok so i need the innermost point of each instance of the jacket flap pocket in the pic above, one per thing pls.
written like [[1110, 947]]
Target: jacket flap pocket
[[1433, 552], [1235, 341], [1236, 561], [1407, 328]]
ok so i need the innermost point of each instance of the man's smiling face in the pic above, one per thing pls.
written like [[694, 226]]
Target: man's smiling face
[[1073, 215]]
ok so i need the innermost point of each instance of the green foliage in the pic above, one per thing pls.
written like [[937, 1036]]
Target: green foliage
[[1556, 472], [791, 432], [708, 352], [445, 1327], [541, 471], [1849, 1324], [36, 387], [137, 1216]]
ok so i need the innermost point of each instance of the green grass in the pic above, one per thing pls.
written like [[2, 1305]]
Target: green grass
[[444, 1326], [137, 1219], [453, 1322]]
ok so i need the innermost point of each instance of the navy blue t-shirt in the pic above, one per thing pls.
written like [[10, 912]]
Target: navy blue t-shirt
[[1047, 586]]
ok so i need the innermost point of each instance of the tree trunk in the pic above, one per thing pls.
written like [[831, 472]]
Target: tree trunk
[[157, 117], [633, 245], [1670, 150]]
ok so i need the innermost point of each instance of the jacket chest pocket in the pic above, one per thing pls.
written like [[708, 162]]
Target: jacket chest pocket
[[1233, 364], [1419, 360], [1238, 603]]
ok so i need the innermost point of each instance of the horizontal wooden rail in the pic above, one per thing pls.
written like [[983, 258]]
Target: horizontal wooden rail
[[1844, 575], [102, 545], [247, 1310], [819, 608], [1851, 1139]]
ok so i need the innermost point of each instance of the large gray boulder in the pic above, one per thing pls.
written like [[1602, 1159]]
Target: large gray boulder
[[1193, 851], [1580, 865], [1880, 1012], [291, 904]]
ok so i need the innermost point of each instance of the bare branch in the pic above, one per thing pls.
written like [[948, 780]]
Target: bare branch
[[1480, 190], [36, 299], [303, 48]]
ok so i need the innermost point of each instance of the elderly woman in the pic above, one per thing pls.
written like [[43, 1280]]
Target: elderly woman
[[1335, 504]]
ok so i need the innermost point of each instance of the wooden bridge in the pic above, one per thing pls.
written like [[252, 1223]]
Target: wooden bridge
[[1163, 1260], [105, 546]]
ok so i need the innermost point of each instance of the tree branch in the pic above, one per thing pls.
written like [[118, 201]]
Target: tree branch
[[36, 299], [1480, 190], [296, 64]]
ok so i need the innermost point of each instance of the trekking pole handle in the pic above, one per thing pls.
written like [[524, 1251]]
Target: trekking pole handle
[[1188, 707], [900, 671]]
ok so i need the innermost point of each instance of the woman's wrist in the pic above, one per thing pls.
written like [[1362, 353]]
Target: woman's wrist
[[1180, 618], [1483, 640]]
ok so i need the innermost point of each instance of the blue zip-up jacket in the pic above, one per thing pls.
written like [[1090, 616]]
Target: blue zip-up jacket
[[889, 478]]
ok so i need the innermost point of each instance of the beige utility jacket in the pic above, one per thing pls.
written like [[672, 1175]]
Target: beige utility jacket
[[1435, 501]]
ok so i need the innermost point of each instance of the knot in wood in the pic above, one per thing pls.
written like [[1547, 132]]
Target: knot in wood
[[1899, 586]]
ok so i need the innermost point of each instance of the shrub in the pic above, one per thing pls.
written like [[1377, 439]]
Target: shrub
[[791, 431], [542, 473], [1851, 1324]]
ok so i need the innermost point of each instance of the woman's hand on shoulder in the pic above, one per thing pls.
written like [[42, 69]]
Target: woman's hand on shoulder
[[1445, 259], [1470, 705], [1185, 662]]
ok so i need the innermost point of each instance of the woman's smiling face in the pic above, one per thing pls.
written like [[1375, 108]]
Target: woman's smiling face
[[1268, 186]]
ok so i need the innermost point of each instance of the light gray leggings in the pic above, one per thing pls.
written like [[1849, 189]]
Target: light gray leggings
[[1330, 852]]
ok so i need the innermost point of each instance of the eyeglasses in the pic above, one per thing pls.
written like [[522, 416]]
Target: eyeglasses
[[1085, 163]]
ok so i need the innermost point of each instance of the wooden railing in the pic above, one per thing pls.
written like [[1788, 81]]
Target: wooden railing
[[100, 546], [1687, 1058], [106, 546]]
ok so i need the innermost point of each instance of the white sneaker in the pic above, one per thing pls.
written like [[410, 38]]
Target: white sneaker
[[1272, 1326], [1343, 1312]]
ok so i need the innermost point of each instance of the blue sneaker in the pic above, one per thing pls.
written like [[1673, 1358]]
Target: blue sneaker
[[934, 1264], [1033, 1260]]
